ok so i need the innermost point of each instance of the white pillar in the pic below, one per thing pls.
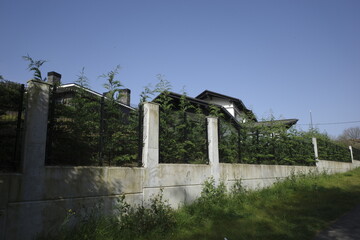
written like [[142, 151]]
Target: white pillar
[[213, 147], [352, 154], [314, 142], [151, 135], [35, 139], [150, 154]]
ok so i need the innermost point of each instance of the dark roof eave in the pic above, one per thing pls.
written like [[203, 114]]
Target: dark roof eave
[[200, 102], [236, 101]]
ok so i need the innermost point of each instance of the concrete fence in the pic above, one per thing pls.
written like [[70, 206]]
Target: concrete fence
[[38, 199]]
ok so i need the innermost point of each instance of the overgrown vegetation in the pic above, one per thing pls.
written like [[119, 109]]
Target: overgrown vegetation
[[183, 129], [151, 219], [34, 66], [295, 208], [91, 130], [269, 143], [332, 150], [11, 119], [273, 143]]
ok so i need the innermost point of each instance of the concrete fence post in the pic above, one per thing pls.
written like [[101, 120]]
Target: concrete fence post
[[352, 154], [35, 138], [213, 141], [314, 142], [150, 156]]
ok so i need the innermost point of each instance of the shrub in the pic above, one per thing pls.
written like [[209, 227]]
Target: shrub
[[140, 220]]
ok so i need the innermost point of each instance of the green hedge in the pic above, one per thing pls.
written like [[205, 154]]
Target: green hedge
[[356, 153], [11, 102], [183, 132], [82, 133], [331, 151], [263, 144]]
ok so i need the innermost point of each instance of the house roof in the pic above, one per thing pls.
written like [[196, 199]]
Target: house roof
[[199, 102], [237, 102], [286, 122], [74, 87]]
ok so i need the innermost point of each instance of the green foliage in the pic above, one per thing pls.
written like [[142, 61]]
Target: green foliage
[[182, 127], [82, 79], [330, 150], [229, 142], [153, 219], [211, 202], [140, 220], [112, 85], [10, 96], [295, 208], [211, 192], [268, 143], [10, 132], [76, 130], [34, 65], [146, 94], [88, 131], [356, 153], [120, 135]]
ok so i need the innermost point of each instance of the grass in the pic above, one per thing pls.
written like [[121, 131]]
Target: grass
[[296, 208]]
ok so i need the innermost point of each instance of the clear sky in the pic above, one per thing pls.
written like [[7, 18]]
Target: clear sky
[[281, 56]]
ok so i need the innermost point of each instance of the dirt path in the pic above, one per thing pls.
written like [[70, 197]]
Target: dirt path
[[346, 227]]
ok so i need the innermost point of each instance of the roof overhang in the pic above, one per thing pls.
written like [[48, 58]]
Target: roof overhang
[[237, 102], [75, 87]]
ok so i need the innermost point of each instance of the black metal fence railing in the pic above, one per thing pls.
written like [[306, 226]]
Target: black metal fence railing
[[356, 153], [11, 125], [333, 152], [183, 137], [229, 142], [86, 130], [263, 145]]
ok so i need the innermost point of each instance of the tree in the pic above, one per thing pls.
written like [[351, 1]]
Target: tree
[[34, 65], [112, 85], [82, 79], [350, 136], [351, 133]]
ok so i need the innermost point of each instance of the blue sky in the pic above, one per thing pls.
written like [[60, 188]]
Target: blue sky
[[278, 56]]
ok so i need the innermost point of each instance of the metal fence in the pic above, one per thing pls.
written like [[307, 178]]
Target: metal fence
[[11, 125], [333, 152], [87, 130], [356, 153], [263, 145], [229, 141], [183, 137]]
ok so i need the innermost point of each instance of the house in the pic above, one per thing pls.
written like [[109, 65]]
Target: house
[[66, 92], [233, 106], [233, 109]]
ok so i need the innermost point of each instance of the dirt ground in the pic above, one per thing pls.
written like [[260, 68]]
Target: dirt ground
[[346, 227]]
